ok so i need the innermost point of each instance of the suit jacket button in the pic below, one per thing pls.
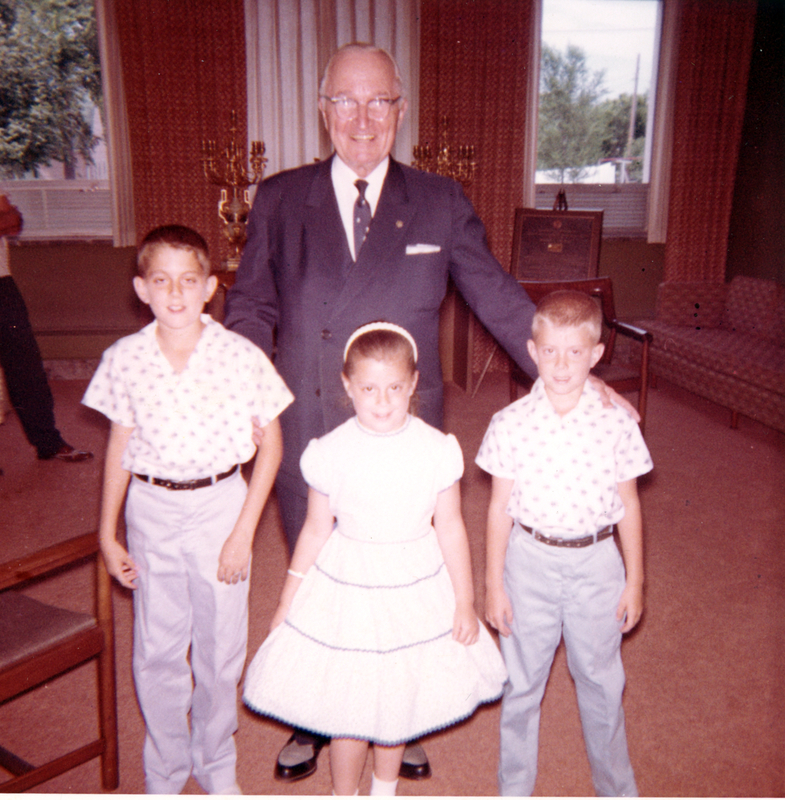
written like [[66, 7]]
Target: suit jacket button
[[318, 392], [326, 334]]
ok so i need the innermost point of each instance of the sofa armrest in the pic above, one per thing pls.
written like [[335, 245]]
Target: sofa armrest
[[698, 304]]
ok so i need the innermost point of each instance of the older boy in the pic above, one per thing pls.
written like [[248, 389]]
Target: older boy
[[181, 394], [564, 473]]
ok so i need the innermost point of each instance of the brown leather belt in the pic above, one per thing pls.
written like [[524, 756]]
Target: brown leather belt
[[176, 486], [583, 541]]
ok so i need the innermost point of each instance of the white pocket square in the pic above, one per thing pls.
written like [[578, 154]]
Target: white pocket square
[[416, 249]]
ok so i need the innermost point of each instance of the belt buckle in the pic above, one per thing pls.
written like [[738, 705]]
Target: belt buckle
[[173, 486], [553, 541]]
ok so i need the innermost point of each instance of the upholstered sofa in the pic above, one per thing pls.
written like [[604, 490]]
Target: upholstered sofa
[[725, 342]]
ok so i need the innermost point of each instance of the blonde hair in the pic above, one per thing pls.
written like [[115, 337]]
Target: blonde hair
[[566, 308], [177, 236]]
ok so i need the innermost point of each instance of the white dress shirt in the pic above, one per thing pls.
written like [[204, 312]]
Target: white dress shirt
[[346, 193]]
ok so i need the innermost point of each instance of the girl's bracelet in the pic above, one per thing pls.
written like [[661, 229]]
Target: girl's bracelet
[[295, 574]]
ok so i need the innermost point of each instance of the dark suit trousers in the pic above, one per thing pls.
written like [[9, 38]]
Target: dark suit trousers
[[20, 359], [293, 508]]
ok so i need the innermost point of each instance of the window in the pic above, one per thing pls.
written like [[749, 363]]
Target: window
[[596, 108], [53, 154]]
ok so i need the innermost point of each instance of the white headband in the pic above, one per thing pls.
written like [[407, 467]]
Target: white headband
[[381, 326]]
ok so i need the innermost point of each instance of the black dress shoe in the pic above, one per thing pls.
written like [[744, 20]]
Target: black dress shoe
[[68, 454], [415, 766], [298, 756]]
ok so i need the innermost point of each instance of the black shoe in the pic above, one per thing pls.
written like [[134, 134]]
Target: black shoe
[[415, 766], [68, 454], [298, 756]]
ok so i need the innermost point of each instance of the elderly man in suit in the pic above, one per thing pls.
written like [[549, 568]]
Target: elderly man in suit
[[303, 275], [357, 238]]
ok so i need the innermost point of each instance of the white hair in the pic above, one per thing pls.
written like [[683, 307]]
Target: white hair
[[360, 47]]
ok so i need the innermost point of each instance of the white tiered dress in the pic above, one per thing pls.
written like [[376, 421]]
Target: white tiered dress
[[366, 651]]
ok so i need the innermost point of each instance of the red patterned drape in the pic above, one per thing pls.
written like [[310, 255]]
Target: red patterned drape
[[474, 69], [184, 71], [715, 41], [474, 64]]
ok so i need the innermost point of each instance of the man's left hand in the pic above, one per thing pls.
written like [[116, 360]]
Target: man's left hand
[[610, 397], [258, 431]]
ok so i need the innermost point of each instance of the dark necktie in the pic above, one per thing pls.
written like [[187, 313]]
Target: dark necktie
[[362, 217]]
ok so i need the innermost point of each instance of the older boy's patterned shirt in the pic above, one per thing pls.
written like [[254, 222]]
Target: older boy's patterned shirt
[[565, 469], [194, 423]]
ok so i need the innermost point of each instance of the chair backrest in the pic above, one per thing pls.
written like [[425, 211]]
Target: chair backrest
[[599, 288]]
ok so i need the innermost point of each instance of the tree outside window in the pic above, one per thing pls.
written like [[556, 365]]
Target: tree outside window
[[578, 130], [50, 95], [569, 137], [597, 70]]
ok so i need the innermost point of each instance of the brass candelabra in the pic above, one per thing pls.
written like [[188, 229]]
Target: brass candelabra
[[232, 175], [454, 161]]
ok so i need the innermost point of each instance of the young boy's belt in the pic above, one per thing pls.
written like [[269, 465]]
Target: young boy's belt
[[176, 486], [583, 541]]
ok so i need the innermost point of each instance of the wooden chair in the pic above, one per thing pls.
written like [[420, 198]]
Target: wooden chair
[[620, 377], [39, 642]]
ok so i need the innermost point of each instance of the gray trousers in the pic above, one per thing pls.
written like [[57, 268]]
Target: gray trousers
[[555, 592], [175, 539]]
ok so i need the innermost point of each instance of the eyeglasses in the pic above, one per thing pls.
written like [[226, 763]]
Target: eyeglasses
[[348, 108]]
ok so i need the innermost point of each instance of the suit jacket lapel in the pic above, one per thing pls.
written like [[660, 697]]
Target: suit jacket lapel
[[325, 236]]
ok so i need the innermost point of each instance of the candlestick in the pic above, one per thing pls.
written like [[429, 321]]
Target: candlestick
[[234, 178], [456, 162]]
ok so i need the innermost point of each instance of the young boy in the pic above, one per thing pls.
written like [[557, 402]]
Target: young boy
[[564, 473], [181, 394]]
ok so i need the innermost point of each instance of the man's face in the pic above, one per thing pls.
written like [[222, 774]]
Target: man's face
[[362, 143]]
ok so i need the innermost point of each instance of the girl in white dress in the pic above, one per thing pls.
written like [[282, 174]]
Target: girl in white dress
[[375, 638]]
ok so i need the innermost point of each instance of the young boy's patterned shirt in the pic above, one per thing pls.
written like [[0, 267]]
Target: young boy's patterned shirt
[[565, 469], [194, 423]]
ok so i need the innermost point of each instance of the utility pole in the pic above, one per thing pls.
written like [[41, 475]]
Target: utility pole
[[633, 112]]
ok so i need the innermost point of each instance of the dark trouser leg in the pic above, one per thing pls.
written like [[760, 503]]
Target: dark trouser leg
[[293, 507], [20, 359]]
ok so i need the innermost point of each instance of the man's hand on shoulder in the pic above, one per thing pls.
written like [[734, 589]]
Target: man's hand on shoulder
[[610, 397], [258, 432]]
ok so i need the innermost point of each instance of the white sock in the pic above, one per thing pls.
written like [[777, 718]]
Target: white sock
[[380, 788]]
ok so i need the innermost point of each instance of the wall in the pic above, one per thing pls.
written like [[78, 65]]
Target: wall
[[79, 295], [636, 269]]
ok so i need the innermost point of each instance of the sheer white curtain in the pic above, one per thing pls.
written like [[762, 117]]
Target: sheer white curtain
[[288, 43], [116, 127], [662, 111]]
